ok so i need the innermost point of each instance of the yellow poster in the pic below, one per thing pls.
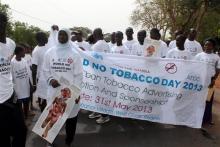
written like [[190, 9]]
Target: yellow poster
[[217, 89]]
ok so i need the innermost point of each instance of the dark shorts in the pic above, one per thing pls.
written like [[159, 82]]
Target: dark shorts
[[24, 100]]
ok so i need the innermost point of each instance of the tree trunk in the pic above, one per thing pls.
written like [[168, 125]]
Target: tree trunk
[[202, 13]]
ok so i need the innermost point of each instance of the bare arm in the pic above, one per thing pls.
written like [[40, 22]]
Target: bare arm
[[34, 74]]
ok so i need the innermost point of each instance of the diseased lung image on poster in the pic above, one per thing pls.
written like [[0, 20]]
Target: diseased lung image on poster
[[58, 109]]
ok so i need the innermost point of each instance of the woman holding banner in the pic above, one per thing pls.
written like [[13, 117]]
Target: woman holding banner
[[208, 56]]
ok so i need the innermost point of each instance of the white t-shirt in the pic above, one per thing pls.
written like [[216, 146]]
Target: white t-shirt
[[128, 44], [90, 46], [111, 45], [212, 59], [38, 59], [21, 78], [193, 47], [160, 48], [175, 53], [28, 59], [64, 63], [6, 84], [101, 46], [164, 48], [85, 45], [138, 49], [120, 50], [172, 44]]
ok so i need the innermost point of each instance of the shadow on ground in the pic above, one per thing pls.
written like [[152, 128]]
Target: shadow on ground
[[121, 132]]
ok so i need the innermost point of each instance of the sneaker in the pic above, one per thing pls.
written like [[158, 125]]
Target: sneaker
[[212, 123], [94, 115], [103, 120]]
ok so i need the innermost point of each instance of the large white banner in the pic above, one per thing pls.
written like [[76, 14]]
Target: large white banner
[[158, 90]]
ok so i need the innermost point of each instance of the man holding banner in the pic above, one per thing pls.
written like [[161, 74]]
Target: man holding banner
[[100, 46], [155, 47]]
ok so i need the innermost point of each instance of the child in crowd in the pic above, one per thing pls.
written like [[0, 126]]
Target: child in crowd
[[21, 79]]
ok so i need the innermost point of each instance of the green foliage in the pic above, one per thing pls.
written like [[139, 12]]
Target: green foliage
[[22, 33], [147, 15], [107, 37], [203, 15], [210, 25], [5, 9]]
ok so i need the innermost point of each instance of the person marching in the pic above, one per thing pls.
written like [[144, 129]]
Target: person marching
[[179, 52], [191, 44], [21, 79], [39, 82], [12, 126], [214, 60], [130, 40], [138, 47], [100, 46], [64, 56], [119, 48]]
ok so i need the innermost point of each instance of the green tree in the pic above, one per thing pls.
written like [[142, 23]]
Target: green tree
[[209, 26], [20, 32], [178, 14], [23, 33], [147, 15], [5, 9]]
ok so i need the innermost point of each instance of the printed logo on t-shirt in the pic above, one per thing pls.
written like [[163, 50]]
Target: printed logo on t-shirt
[[210, 61], [150, 50], [62, 59], [5, 66], [61, 64], [97, 56], [21, 73], [180, 57], [193, 49], [70, 60]]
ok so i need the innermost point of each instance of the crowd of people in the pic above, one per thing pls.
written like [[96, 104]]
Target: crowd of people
[[23, 72]]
